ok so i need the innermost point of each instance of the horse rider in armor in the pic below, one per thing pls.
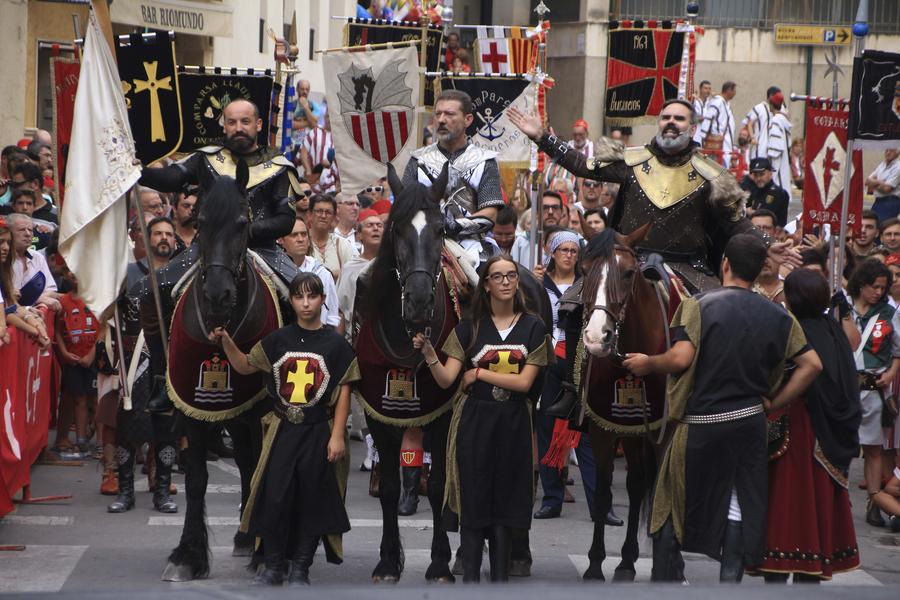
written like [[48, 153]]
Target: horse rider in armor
[[270, 191], [473, 195]]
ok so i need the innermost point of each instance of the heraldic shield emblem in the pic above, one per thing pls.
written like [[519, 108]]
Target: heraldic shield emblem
[[152, 96], [377, 109]]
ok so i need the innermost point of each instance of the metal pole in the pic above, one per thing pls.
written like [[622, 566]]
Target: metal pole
[[862, 17], [154, 284], [123, 367]]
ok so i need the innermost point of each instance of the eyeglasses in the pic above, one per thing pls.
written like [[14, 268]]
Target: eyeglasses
[[552, 207], [321, 212], [375, 189], [307, 193], [570, 251], [511, 277], [591, 184]]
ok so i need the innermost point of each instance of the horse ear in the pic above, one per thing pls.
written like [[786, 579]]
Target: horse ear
[[394, 181], [638, 235], [242, 175], [439, 186]]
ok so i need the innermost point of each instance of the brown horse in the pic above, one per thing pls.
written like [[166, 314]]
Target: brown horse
[[623, 313]]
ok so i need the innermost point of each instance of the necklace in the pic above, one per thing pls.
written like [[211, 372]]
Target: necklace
[[511, 323]]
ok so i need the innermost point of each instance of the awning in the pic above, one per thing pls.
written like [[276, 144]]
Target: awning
[[183, 16]]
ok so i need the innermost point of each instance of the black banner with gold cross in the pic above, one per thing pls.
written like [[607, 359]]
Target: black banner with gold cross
[[150, 85], [205, 94]]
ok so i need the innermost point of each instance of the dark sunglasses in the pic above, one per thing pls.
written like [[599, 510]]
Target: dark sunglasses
[[375, 189]]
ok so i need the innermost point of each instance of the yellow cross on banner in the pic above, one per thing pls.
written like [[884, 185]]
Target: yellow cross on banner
[[300, 378], [153, 85], [503, 365]]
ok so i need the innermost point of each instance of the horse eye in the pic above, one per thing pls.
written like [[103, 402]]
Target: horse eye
[[628, 274]]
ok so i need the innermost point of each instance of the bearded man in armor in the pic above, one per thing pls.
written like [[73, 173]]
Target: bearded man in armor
[[473, 195], [694, 203], [270, 192]]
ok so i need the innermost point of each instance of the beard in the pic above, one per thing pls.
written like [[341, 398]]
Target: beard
[[239, 143], [673, 145], [162, 250]]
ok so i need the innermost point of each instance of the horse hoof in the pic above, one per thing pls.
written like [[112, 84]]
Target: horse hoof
[[177, 573], [623, 575], [439, 573], [385, 579], [594, 573], [520, 568]]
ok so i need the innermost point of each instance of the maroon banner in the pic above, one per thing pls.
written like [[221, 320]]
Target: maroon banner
[[64, 73], [824, 166], [25, 390]]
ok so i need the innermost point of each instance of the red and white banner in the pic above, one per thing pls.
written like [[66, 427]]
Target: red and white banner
[[824, 166], [372, 100], [64, 73], [26, 389]]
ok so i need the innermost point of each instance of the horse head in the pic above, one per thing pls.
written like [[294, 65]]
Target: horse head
[[223, 231], [608, 287], [412, 247]]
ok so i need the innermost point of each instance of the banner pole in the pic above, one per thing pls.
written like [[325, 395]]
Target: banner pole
[[860, 45], [154, 283], [120, 351]]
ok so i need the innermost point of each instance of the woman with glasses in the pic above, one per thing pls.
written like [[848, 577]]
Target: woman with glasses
[[500, 354]]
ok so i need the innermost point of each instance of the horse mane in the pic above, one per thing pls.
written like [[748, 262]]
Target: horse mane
[[383, 281], [602, 249], [227, 204]]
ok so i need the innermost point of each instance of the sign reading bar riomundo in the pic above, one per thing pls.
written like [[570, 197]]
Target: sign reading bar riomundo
[[198, 18]]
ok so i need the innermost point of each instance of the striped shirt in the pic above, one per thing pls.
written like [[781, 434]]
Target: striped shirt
[[317, 143]]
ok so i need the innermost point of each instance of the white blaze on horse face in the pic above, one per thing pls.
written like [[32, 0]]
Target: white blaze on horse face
[[600, 329], [419, 221]]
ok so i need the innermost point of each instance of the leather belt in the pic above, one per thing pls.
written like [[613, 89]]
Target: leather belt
[[725, 417], [697, 262]]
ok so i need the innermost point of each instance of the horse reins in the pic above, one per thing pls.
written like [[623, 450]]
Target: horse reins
[[618, 316]]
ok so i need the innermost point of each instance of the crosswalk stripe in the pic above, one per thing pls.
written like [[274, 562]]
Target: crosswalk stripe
[[36, 520], [38, 568], [178, 521], [644, 565], [224, 466], [212, 488]]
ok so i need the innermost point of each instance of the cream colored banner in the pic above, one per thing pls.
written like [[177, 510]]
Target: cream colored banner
[[198, 18]]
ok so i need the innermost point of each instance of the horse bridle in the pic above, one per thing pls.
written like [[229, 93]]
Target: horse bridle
[[618, 317], [235, 271], [401, 279]]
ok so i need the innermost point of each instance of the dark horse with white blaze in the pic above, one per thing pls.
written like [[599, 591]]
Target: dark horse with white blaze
[[224, 289], [411, 288], [623, 313]]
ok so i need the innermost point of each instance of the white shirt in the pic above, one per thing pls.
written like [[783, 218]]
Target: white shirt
[[700, 110], [759, 121], [346, 286], [719, 120], [29, 266], [330, 314], [888, 173], [355, 244], [338, 251], [779, 150], [521, 250]]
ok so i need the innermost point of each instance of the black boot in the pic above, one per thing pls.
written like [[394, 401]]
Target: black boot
[[873, 514], [125, 500], [409, 496], [520, 554], [159, 401], [165, 458], [471, 542], [732, 569], [499, 549], [667, 562], [273, 573], [302, 561]]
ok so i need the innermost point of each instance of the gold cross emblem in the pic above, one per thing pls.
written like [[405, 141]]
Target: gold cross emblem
[[665, 194], [503, 365], [300, 378], [153, 85]]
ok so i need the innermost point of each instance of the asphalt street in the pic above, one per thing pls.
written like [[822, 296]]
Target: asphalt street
[[75, 546]]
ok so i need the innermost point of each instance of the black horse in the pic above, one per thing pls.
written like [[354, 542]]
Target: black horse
[[225, 290], [409, 280]]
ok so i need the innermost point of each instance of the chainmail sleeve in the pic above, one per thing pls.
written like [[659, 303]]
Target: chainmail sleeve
[[489, 193], [174, 177], [605, 166], [283, 215]]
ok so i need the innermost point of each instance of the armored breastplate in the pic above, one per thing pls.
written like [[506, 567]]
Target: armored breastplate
[[463, 176], [259, 185]]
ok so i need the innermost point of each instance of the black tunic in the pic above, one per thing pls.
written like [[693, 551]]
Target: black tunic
[[742, 342], [298, 491], [490, 439]]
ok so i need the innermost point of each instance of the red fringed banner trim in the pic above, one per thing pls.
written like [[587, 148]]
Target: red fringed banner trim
[[562, 442]]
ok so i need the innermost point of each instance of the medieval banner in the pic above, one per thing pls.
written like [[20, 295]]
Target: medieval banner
[[360, 32], [505, 50], [643, 71], [204, 95], [875, 100], [64, 73], [150, 84], [372, 97], [824, 164], [491, 129]]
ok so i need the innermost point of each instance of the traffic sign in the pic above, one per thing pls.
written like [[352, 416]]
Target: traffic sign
[[812, 35]]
